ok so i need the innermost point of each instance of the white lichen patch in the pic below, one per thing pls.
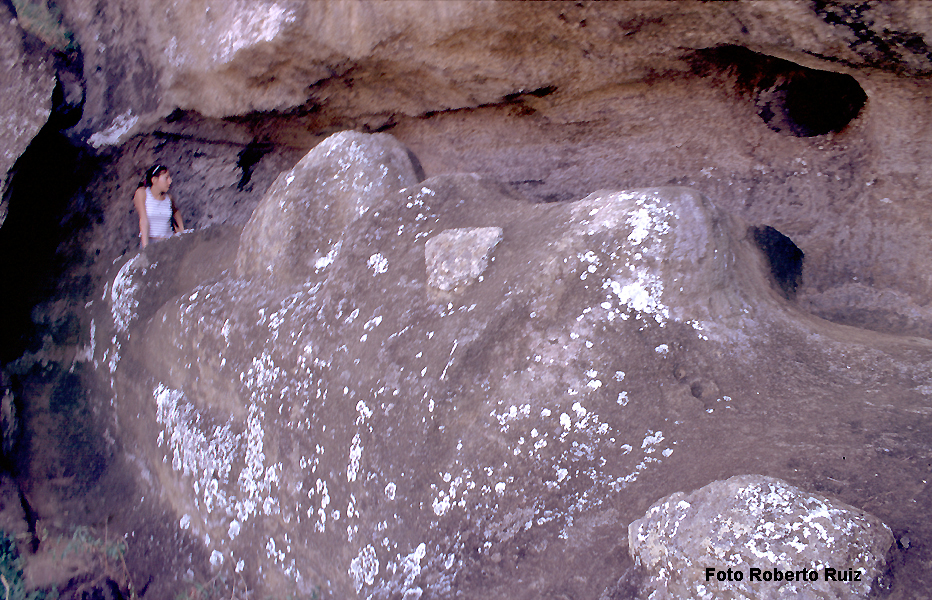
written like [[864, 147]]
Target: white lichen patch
[[457, 257], [753, 521], [355, 455], [454, 492], [364, 568], [405, 570], [325, 261], [643, 294], [207, 453], [378, 264], [123, 291], [116, 132]]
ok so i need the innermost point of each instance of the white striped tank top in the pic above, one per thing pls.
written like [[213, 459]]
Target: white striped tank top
[[159, 213]]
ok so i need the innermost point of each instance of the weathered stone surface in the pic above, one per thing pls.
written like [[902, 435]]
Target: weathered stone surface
[[554, 100], [25, 97], [458, 257], [366, 61], [643, 91], [302, 230], [325, 426], [755, 522], [340, 428]]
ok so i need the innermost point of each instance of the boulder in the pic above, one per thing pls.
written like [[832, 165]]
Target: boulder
[[301, 231], [754, 537], [334, 423]]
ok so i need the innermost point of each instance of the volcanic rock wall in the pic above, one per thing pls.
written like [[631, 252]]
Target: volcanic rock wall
[[798, 129], [803, 117], [325, 419]]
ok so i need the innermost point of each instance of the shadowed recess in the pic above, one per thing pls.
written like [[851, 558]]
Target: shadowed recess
[[786, 259], [43, 180], [789, 98]]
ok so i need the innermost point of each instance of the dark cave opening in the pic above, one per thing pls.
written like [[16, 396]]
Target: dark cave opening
[[785, 258], [789, 98], [43, 180], [248, 158]]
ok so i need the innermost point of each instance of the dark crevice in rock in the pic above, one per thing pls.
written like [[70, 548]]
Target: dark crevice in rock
[[390, 122], [196, 139], [248, 158], [70, 89], [45, 178], [175, 116], [788, 97], [517, 100], [518, 97], [785, 258], [31, 519], [872, 39]]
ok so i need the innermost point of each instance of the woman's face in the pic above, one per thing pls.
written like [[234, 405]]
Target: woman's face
[[162, 182]]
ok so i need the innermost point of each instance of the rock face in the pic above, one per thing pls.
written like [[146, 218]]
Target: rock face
[[803, 117], [26, 97], [573, 98], [458, 257], [754, 522], [367, 61], [301, 231], [328, 425], [529, 398], [333, 424]]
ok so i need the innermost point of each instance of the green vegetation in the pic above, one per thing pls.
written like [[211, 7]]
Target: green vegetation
[[43, 19], [105, 556], [11, 573]]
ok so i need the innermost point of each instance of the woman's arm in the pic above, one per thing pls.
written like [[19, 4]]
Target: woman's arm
[[139, 201], [176, 218]]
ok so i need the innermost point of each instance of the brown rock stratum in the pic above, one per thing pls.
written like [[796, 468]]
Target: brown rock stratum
[[284, 398]]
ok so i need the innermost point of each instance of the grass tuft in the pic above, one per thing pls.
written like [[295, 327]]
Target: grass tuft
[[43, 19]]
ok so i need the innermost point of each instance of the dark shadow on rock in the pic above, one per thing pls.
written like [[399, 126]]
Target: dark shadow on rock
[[788, 97], [626, 588], [45, 178], [785, 258]]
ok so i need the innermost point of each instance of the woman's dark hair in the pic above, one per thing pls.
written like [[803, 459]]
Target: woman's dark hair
[[151, 173]]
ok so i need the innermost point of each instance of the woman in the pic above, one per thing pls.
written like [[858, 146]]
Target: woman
[[158, 215]]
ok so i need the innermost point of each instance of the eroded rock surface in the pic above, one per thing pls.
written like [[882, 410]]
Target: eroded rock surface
[[809, 118], [343, 429], [25, 97], [458, 257], [754, 522], [804, 117], [333, 425], [367, 61], [301, 231]]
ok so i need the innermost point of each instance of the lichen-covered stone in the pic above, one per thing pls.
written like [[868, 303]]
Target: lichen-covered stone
[[328, 422], [299, 230], [457, 257], [757, 526]]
